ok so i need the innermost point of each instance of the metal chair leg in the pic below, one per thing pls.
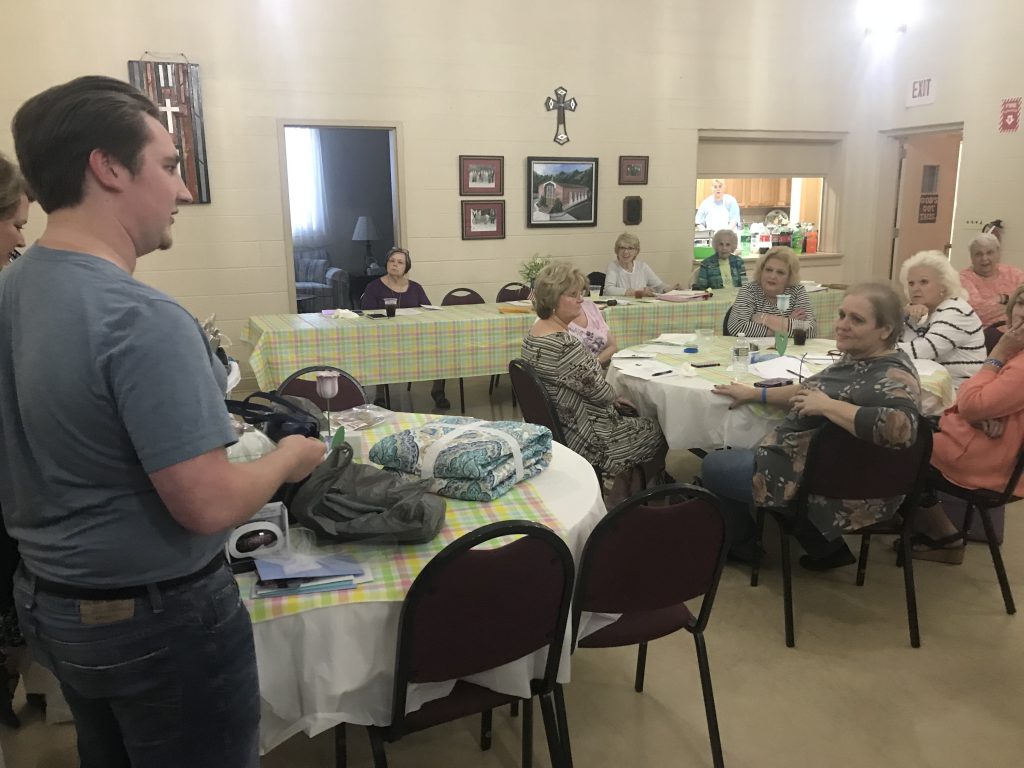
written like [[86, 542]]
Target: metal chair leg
[[555, 749], [910, 590], [997, 560], [527, 733], [513, 708], [641, 665], [340, 747], [862, 561], [462, 395], [485, 730], [755, 568], [787, 588], [387, 397], [709, 700], [563, 724], [380, 758]]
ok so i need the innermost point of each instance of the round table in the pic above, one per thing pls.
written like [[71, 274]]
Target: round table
[[692, 416], [332, 665]]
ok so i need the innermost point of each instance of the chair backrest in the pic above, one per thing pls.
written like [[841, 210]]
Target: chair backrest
[[473, 608], [311, 266], [350, 392], [992, 336], [461, 296], [842, 466], [725, 321], [513, 292], [533, 398], [597, 278], [642, 557]]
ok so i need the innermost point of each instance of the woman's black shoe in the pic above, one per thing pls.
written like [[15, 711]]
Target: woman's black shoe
[[836, 560]]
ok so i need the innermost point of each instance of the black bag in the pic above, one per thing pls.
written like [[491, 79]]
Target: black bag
[[347, 501], [279, 419]]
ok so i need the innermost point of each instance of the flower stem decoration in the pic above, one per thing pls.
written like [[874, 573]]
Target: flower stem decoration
[[530, 268]]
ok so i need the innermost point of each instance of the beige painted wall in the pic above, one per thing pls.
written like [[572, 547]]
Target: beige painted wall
[[459, 77]]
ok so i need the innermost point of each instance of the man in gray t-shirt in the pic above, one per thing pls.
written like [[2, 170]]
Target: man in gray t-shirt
[[113, 473]]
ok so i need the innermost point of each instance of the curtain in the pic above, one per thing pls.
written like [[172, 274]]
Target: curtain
[[307, 201]]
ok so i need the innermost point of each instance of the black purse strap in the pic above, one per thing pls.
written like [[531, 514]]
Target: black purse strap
[[277, 400]]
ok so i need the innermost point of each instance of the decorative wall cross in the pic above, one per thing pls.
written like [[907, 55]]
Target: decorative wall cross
[[561, 104]]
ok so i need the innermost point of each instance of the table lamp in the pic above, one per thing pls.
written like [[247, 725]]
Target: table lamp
[[366, 232]]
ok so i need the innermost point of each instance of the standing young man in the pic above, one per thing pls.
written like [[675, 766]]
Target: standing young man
[[113, 473]]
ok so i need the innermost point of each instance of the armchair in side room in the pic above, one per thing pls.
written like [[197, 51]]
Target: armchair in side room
[[318, 285]]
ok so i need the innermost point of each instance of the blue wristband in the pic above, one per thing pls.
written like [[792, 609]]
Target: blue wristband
[[994, 363], [764, 394]]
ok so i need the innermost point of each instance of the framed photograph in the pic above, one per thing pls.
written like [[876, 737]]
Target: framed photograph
[[633, 169], [483, 219], [480, 175], [561, 191]]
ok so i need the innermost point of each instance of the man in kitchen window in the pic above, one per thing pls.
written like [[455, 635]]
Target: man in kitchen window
[[719, 210]]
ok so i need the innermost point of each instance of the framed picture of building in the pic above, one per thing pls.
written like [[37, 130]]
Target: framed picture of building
[[561, 191], [483, 219], [481, 175]]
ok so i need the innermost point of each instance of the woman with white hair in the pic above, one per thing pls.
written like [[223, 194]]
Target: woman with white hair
[[939, 324], [989, 284]]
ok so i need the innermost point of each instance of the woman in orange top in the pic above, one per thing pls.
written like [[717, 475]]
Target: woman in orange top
[[980, 436]]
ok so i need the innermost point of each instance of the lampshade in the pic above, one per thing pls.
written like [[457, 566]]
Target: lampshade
[[364, 229]]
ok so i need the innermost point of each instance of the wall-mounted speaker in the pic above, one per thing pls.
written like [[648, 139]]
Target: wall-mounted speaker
[[632, 209]]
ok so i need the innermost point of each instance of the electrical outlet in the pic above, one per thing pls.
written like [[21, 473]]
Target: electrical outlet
[[973, 222]]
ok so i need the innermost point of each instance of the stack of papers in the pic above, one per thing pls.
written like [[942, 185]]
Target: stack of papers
[[682, 295], [677, 339], [294, 574], [632, 354]]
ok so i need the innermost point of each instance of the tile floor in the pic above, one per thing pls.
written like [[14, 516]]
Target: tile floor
[[852, 694]]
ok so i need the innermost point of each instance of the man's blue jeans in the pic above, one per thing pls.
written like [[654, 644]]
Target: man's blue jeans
[[167, 680]]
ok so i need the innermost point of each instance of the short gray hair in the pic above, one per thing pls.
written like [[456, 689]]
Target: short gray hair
[[985, 238], [555, 279], [939, 263], [627, 239]]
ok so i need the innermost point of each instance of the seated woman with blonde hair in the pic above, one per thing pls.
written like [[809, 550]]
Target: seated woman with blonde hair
[[939, 324], [979, 437], [600, 426], [756, 311]]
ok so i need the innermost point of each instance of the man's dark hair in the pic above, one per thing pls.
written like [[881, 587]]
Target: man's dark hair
[[56, 131]]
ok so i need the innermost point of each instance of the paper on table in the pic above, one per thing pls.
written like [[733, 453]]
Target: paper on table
[[429, 306], [643, 369], [631, 354], [675, 338], [814, 288], [785, 367], [407, 312], [520, 303]]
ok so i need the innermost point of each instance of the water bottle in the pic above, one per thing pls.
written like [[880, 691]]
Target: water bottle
[[740, 354]]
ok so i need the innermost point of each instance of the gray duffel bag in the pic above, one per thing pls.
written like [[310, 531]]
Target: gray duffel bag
[[347, 501]]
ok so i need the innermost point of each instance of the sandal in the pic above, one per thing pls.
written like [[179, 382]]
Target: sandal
[[948, 549]]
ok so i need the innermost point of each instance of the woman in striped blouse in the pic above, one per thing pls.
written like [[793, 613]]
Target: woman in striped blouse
[[939, 324], [756, 309]]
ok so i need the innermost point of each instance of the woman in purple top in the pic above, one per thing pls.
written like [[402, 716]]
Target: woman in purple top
[[395, 284]]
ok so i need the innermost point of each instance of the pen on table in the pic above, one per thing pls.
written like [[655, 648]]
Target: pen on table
[[661, 373]]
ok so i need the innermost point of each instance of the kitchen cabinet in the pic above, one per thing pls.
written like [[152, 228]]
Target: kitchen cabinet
[[751, 193]]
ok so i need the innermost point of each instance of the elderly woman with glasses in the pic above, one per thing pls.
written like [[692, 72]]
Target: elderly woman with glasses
[[872, 392], [598, 425], [989, 283], [939, 324], [627, 275], [395, 284]]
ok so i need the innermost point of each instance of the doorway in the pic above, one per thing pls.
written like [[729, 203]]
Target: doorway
[[343, 209], [926, 198]]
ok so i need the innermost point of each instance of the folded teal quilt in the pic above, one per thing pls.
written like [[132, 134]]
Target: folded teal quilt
[[467, 458]]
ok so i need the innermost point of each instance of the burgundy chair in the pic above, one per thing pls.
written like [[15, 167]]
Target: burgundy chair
[[534, 399], [456, 297], [472, 609], [842, 466], [350, 393], [645, 561], [984, 500], [513, 292]]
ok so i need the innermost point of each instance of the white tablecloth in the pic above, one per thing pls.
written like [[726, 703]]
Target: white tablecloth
[[332, 665], [691, 416]]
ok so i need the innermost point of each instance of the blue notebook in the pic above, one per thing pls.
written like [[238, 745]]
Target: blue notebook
[[325, 565]]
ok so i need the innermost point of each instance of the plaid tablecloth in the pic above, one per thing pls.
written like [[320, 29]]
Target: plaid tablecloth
[[395, 566], [475, 340]]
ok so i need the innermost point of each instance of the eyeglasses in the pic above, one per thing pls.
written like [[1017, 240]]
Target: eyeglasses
[[628, 248]]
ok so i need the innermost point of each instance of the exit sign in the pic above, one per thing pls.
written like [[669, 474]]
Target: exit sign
[[921, 91]]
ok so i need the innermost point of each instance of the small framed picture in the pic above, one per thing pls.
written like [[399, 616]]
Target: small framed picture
[[483, 219], [481, 175], [633, 169]]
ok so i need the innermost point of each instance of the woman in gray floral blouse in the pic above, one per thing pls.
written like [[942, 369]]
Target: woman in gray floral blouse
[[872, 392]]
